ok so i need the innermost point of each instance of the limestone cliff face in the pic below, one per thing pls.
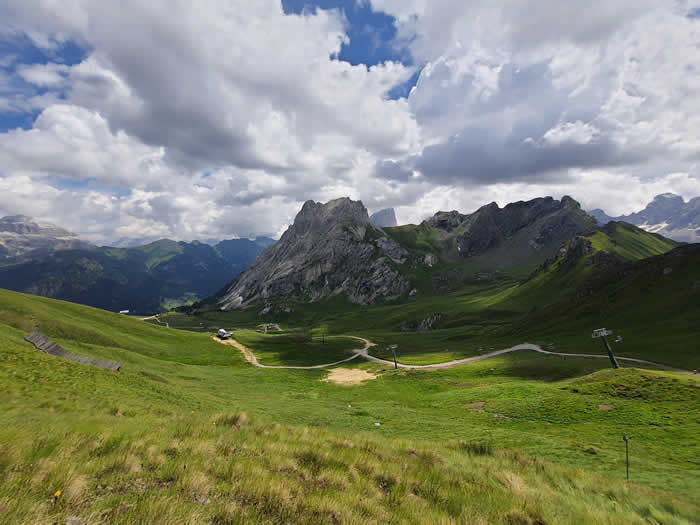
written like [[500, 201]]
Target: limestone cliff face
[[331, 249]]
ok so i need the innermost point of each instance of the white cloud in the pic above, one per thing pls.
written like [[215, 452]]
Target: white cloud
[[45, 75], [220, 119], [577, 132]]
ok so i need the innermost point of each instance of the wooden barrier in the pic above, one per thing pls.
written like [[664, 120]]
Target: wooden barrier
[[44, 344]]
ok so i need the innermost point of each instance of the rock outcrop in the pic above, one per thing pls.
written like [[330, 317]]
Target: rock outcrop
[[423, 325], [331, 249]]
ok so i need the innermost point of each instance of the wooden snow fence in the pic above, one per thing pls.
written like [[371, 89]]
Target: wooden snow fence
[[44, 344]]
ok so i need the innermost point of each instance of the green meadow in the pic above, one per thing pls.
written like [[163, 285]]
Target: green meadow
[[189, 432]]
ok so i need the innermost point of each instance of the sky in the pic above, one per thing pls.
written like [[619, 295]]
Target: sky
[[218, 119]]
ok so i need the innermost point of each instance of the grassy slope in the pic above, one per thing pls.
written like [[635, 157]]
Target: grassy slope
[[291, 348], [629, 242], [655, 312], [118, 444]]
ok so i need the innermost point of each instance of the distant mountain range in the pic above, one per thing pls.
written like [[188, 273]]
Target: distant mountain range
[[334, 249], [668, 214], [44, 259]]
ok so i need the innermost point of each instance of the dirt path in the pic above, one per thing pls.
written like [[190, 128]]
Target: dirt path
[[364, 352], [250, 357]]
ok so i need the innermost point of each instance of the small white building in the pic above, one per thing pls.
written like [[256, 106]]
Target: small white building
[[223, 334], [124, 312]]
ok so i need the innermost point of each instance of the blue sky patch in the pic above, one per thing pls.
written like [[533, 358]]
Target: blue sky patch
[[64, 183], [371, 33], [372, 36], [20, 51]]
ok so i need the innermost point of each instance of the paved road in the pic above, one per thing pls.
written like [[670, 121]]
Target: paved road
[[364, 352]]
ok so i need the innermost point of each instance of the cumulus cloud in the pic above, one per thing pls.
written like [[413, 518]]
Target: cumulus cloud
[[520, 93], [220, 119], [45, 75]]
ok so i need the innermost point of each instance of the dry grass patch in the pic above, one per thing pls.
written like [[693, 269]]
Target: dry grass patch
[[349, 376]]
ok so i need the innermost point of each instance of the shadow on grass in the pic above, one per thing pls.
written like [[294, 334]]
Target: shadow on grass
[[549, 368]]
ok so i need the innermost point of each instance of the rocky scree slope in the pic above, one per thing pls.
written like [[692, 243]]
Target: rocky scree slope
[[330, 249]]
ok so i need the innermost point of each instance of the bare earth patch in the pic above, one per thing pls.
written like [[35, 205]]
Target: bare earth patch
[[476, 406], [606, 407], [349, 376]]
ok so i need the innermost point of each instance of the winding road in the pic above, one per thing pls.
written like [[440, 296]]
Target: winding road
[[250, 357], [364, 352]]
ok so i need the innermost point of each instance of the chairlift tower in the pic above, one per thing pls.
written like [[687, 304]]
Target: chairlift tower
[[601, 333], [393, 350]]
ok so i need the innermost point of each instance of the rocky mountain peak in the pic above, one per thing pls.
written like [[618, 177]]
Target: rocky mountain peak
[[569, 201], [318, 219], [446, 220], [326, 251], [539, 222], [338, 210]]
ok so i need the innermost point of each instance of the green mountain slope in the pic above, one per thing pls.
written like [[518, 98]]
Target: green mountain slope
[[653, 303], [586, 256], [166, 439], [142, 279]]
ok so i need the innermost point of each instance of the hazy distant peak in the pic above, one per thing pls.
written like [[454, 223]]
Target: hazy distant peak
[[384, 218], [25, 225], [667, 214], [667, 196]]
